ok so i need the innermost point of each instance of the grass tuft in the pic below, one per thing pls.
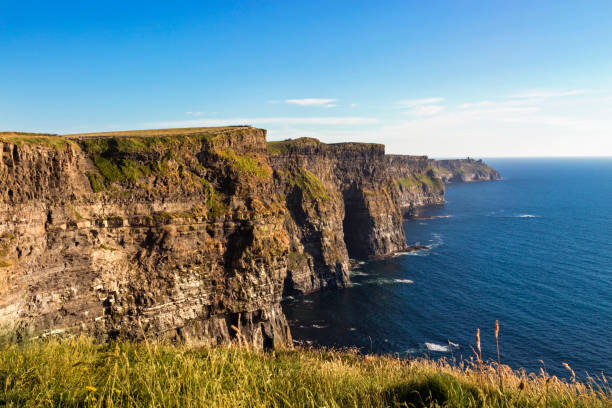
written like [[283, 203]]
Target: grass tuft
[[78, 372], [309, 184], [35, 139], [247, 164]]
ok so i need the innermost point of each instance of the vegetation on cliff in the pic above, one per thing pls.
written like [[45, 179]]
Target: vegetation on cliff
[[78, 372], [282, 146], [35, 139], [418, 179], [308, 183]]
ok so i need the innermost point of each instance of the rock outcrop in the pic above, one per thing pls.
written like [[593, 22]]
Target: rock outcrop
[[341, 203], [464, 170], [193, 234]]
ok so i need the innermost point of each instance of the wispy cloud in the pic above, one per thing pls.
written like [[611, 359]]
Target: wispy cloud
[[199, 113], [427, 110], [411, 103], [321, 102], [258, 121], [543, 94]]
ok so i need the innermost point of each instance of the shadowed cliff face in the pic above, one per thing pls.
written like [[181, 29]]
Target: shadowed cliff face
[[341, 203]]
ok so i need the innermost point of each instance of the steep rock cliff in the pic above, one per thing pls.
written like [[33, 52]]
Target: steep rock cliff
[[418, 183], [464, 170], [173, 236], [194, 234], [342, 203]]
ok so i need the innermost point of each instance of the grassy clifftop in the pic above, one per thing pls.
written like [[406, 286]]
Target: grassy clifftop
[[80, 373]]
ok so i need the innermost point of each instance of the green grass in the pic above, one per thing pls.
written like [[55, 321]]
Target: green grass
[[282, 146], [96, 181], [173, 132], [309, 184], [247, 164], [35, 139], [112, 152], [421, 179], [79, 373]]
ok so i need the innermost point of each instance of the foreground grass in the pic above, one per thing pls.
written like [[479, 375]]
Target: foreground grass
[[81, 373]]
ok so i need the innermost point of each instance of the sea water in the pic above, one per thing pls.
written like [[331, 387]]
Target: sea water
[[533, 250]]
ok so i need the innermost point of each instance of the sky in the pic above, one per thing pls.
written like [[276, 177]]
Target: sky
[[445, 79]]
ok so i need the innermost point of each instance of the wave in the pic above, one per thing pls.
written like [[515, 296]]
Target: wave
[[383, 281], [440, 348], [318, 326], [358, 272], [437, 347], [527, 216], [434, 217]]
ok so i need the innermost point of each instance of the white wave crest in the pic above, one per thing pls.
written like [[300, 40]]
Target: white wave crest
[[527, 216], [408, 281], [440, 347], [318, 326], [437, 347], [358, 272]]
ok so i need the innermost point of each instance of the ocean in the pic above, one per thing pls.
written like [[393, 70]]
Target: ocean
[[533, 250]]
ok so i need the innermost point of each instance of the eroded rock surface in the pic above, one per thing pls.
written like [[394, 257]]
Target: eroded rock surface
[[166, 237], [193, 234]]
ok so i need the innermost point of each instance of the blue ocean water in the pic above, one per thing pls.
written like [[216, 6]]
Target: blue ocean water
[[533, 251]]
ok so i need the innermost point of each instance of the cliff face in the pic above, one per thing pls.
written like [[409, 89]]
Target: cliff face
[[194, 234], [167, 237], [417, 181], [464, 170], [341, 203]]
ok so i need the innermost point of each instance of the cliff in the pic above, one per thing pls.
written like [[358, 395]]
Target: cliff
[[173, 235], [464, 170], [341, 203], [192, 234], [418, 183]]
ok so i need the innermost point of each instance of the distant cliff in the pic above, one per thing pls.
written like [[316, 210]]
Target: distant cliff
[[464, 170], [193, 234], [418, 183]]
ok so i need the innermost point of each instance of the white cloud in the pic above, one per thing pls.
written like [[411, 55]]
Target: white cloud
[[559, 123], [541, 94], [411, 103], [563, 123], [321, 102], [427, 110], [259, 121]]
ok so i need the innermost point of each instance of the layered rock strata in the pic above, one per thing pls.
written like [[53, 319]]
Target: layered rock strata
[[193, 234], [173, 236], [341, 204], [418, 183]]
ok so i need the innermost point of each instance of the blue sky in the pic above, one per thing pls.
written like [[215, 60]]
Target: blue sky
[[479, 78]]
